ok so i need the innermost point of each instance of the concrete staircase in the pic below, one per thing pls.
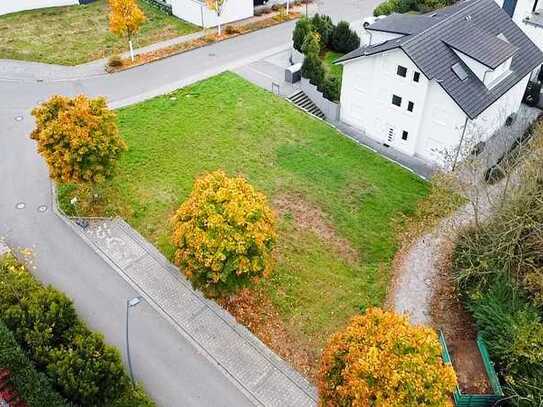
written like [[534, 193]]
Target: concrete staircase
[[301, 100]]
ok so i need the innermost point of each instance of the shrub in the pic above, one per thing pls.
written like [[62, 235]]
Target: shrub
[[231, 29], [78, 138], [513, 332], [312, 44], [344, 39], [331, 88], [224, 234], [324, 27], [313, 69], [301, 31], [89, 371], [115, 61], [380, 359], [77, 362], [33, 387]]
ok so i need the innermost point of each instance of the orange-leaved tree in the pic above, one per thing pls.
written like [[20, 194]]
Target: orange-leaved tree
[[224, 234], [125, 18], [216, 6], [380, 360], [78, 138]]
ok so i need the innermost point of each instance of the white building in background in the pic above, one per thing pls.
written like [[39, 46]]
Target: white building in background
[[13, 6], [426, 83], [196, 11], [528, 14]]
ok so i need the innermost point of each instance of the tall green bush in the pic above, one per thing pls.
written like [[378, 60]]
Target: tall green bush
[[33, 387], [513, 332], [331, 88], [301, 31], [312, 44], [324, 26], [76, 361], [88, 370], [313, 69], [344, 39]]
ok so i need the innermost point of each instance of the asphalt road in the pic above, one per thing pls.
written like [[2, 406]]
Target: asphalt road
[[171, 370]]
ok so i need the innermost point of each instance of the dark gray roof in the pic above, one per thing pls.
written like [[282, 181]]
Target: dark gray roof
[[481, 46], [397, 23], [472, 27]]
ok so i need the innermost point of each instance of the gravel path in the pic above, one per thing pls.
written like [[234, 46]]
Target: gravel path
[[417, 267]]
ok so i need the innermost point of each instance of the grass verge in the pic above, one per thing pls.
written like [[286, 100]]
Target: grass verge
[[74, 35]]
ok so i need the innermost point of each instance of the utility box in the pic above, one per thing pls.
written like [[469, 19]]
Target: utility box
[[293, 73]]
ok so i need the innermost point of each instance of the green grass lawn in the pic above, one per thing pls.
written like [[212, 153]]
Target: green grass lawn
[[333, 261], [76, 34], [328, 59]]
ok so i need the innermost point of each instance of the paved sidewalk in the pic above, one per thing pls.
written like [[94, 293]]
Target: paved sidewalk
[[247, 362]]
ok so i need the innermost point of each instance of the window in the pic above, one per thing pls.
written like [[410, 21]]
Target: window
[[401, 71], [396, 100], [416, 76], [404, 135], [410, 106], [390, 136]]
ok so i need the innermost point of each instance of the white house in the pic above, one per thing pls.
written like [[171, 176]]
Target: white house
[[428, 82], [196, 12]]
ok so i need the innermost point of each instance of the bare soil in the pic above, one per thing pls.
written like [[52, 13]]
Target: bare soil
[[254, 310], [310, 218], [449, 314]]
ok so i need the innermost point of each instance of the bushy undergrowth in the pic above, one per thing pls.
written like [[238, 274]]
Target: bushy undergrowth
[[33, 387], [499, 270], [76, 361], [313, 37], [403, 6]]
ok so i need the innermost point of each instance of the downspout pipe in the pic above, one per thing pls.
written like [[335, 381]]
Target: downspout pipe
[[460, 145]]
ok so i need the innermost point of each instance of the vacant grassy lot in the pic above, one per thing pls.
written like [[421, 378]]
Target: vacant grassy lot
[[76, 34], [337, 201]]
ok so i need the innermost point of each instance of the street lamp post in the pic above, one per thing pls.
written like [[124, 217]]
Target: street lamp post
[[129, 304]]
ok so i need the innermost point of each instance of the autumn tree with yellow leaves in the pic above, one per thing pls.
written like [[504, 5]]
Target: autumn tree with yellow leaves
[[78, 138], [217, 7], [381, 360], [125, 18], [224, 234]]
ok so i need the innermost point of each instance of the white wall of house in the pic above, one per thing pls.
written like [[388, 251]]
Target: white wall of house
[[366, 98], [434, 127], [523, 9], [12, 6], [197, 13]]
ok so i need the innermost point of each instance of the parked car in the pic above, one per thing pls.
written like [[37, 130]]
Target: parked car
[[260, 2]]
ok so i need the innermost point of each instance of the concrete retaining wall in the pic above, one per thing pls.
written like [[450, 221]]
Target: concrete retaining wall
[[330, 109], [13, 6]]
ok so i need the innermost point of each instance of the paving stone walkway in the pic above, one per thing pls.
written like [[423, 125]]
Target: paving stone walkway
[[265, 378]]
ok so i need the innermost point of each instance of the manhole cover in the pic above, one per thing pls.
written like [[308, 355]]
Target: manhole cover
[[42, 208], [211, 54], [20, 205], [18, 118]]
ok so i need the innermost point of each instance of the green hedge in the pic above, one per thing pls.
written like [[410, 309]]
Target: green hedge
[[77, 362], [33, 387], [495, 266]]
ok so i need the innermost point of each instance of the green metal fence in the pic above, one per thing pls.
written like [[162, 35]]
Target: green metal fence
[[476, 400]]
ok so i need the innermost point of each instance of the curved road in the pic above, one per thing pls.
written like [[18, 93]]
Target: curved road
[[171, 369]]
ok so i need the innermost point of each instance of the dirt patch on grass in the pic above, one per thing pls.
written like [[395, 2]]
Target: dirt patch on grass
[[308, 217], [449, 314], [253, 309]]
